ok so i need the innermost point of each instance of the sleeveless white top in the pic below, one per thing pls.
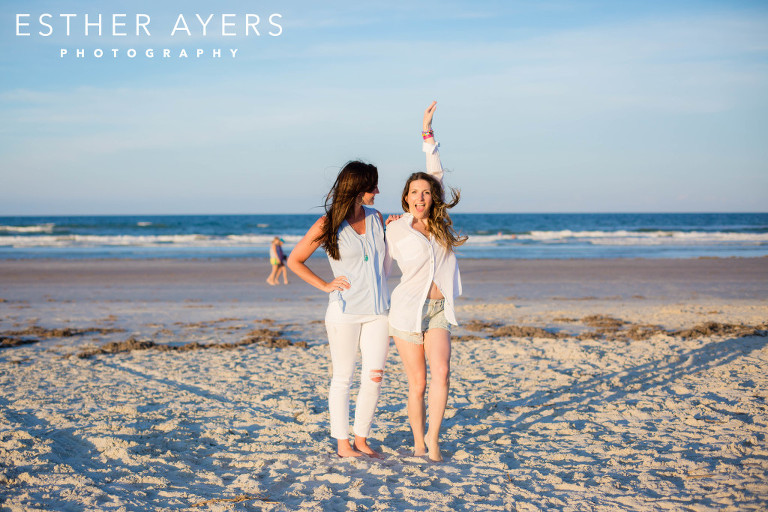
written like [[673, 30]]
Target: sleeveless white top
[[362, 262]]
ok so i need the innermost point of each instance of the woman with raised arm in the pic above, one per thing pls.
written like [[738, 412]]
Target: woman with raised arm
[[422, 312], [352, 234]]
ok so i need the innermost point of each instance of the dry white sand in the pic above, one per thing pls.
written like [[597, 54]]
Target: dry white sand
[[533, 423]]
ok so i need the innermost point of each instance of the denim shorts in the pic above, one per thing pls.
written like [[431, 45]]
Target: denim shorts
[[432, 317]]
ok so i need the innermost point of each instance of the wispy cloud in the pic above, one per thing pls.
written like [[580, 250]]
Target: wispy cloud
[[653, 96]]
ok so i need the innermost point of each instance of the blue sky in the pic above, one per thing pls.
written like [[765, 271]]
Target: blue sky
[[543, 106]]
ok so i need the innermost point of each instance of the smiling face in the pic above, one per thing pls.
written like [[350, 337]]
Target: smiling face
[[419, 199]]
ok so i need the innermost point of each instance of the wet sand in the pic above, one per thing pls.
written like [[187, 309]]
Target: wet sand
[[576, 385]]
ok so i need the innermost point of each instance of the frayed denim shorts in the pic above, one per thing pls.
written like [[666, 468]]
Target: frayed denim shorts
[[432, 317]]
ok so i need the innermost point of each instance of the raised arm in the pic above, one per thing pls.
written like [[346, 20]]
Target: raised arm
[[427, 133], [303, 251], [434, 167]]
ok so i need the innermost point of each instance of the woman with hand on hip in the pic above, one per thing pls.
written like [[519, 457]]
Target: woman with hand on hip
[[352, 234], [422, 311]]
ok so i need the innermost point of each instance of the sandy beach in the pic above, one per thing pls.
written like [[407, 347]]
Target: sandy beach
[[577, 385]]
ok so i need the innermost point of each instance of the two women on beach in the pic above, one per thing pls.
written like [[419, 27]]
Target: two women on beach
[[360, 248]]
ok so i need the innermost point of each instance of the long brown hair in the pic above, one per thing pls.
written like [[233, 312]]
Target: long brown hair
[[440, 223], [354, 179]]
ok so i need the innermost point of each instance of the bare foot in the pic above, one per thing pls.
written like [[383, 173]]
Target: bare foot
[[361, 444], [433, 449], [270, 282], [419, 450], [345, 449]]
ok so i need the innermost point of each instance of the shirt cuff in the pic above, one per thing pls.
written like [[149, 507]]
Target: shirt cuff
[[429, 148]]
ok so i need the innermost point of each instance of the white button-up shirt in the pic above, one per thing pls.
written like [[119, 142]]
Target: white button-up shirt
[[421, 262]]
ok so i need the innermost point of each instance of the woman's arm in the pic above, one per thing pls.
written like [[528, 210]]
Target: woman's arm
[[427, 132], [434, 167], [387, 266], [301, 253]]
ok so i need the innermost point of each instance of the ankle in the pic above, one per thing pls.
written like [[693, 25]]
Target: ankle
[[345, 449], [361, 444]]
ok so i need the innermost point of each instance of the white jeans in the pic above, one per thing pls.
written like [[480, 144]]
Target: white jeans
[[371, 334]]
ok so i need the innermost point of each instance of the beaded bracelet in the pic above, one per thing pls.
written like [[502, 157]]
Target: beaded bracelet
[[426, 134]]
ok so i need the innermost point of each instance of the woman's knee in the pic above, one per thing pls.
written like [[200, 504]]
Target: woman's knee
[[372, 383], [376, 376], [417, 384], [341, 380], [440, 374]]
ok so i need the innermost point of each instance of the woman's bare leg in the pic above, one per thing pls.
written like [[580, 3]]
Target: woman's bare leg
[[282, 269], [272, 276], [437, 347], [415, 365]]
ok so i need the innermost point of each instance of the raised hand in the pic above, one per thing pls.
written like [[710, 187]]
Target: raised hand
[[428, 114]]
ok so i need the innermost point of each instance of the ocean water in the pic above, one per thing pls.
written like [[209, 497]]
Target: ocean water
[[496, 236]]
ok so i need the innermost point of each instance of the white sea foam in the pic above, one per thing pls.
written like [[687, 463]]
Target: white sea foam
[[606, 238], [38, 228], [624, 238], [192, 240]]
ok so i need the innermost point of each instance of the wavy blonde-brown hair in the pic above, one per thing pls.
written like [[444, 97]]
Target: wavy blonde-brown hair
[[440, 224], [354, 179]]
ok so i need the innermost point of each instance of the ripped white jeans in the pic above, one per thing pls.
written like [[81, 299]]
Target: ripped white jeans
[[345, 334]]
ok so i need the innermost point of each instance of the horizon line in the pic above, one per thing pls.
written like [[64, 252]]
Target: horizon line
[[628, 212]]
